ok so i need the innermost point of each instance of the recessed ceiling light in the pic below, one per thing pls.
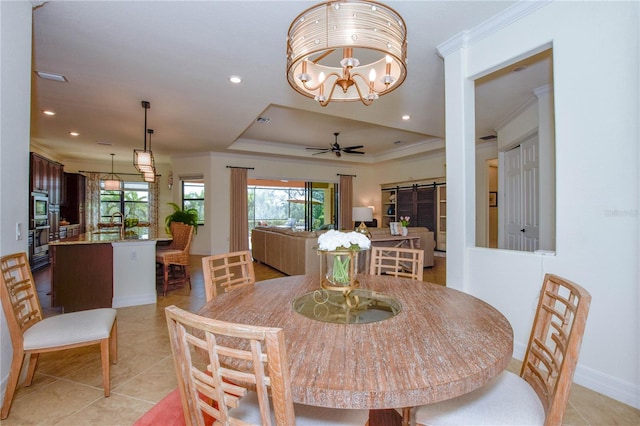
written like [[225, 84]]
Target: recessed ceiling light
[[235, 79], [263, 120], [48, 112], [406, 117], [52, 76], [74, 133]]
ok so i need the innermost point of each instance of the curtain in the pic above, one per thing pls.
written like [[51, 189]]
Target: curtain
[[346, 202], [92, 202], [154, 197], [239, 218]]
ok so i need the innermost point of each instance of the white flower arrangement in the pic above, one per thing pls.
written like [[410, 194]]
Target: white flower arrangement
[[335, 240]]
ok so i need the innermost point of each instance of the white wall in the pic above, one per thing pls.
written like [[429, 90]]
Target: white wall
[[595, 48], [15, 73]]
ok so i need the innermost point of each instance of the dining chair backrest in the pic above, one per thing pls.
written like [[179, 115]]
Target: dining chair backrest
[[252, 356], [181, 235], [227, 270], [19, 296], [397, 261], [554, 344]]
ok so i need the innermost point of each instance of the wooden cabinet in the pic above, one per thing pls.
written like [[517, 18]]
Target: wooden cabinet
[[82, 276], [46, 176], [423, 201], [73, 200]]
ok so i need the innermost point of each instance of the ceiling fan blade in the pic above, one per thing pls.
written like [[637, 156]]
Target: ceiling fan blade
[[319, 149], [352, 147], [320, 152], [352, 152]]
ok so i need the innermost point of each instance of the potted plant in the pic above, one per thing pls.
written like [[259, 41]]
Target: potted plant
[[187, 216]]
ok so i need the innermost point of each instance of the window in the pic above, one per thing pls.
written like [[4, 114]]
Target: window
[[283, 204], [193, 196], [132, 202]]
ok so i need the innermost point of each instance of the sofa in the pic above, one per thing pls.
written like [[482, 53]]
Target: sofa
[[288, 251], [294, 252]]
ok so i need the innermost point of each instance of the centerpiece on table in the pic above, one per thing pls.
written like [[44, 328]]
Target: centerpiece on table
[[339, 259]]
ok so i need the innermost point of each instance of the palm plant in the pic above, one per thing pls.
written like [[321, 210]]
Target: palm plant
[[187, 216]]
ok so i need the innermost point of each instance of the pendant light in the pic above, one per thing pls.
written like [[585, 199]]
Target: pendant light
[[143, 159], [111, 181], [149, 176]]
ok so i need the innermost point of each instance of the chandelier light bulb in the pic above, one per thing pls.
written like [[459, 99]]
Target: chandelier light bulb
[[372, 75]]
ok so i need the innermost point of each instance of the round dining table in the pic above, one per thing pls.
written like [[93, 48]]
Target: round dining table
[[441, 343]]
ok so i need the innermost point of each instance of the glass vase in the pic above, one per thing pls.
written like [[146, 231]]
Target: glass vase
[[338, 269]]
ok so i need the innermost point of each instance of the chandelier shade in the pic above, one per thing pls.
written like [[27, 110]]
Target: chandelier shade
[[142, 159], [347, 51], [111, 181]]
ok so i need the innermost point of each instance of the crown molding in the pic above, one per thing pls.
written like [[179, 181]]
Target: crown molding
[[490, 26]]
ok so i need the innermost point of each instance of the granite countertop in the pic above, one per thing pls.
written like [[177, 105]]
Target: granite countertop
[[112, 235]]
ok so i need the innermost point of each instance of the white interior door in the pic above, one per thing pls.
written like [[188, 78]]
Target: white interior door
[[521, 199], [530, 194], [512, 199]]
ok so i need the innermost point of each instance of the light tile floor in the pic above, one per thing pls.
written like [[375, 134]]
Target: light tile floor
[[67, 389]]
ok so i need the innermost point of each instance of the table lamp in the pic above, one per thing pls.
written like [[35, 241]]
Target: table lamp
[[362, 215]]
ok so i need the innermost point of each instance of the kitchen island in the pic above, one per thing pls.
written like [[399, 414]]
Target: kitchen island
[[104, 269]]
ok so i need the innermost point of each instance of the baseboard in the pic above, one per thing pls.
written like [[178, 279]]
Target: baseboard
[[145, 299], [613, 387]]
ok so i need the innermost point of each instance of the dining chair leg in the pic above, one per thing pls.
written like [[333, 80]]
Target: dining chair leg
[[104, 355], [187, 275], [113, 343], [33, 361], [406, 416], [12, 383], [165, 282]]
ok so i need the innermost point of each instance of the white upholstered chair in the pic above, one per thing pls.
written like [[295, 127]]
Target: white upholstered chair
[[237, 358], [538, 396], [32, 334]]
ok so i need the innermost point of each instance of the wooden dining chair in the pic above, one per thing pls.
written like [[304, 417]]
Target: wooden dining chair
[[176, 256], [32, 334], [237, 358], [397, 261], [227, 270], [538, 396]]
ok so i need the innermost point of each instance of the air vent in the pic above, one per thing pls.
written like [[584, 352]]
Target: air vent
[[489, 137], [106, 143], [262, 120], [52, 76]]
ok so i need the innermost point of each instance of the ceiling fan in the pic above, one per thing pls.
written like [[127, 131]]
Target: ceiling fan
[[335, 148]]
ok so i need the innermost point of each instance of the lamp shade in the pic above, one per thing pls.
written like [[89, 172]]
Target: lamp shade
[[111, 181], [143, 160], [362, 214], [149, 176], [112, 185]]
